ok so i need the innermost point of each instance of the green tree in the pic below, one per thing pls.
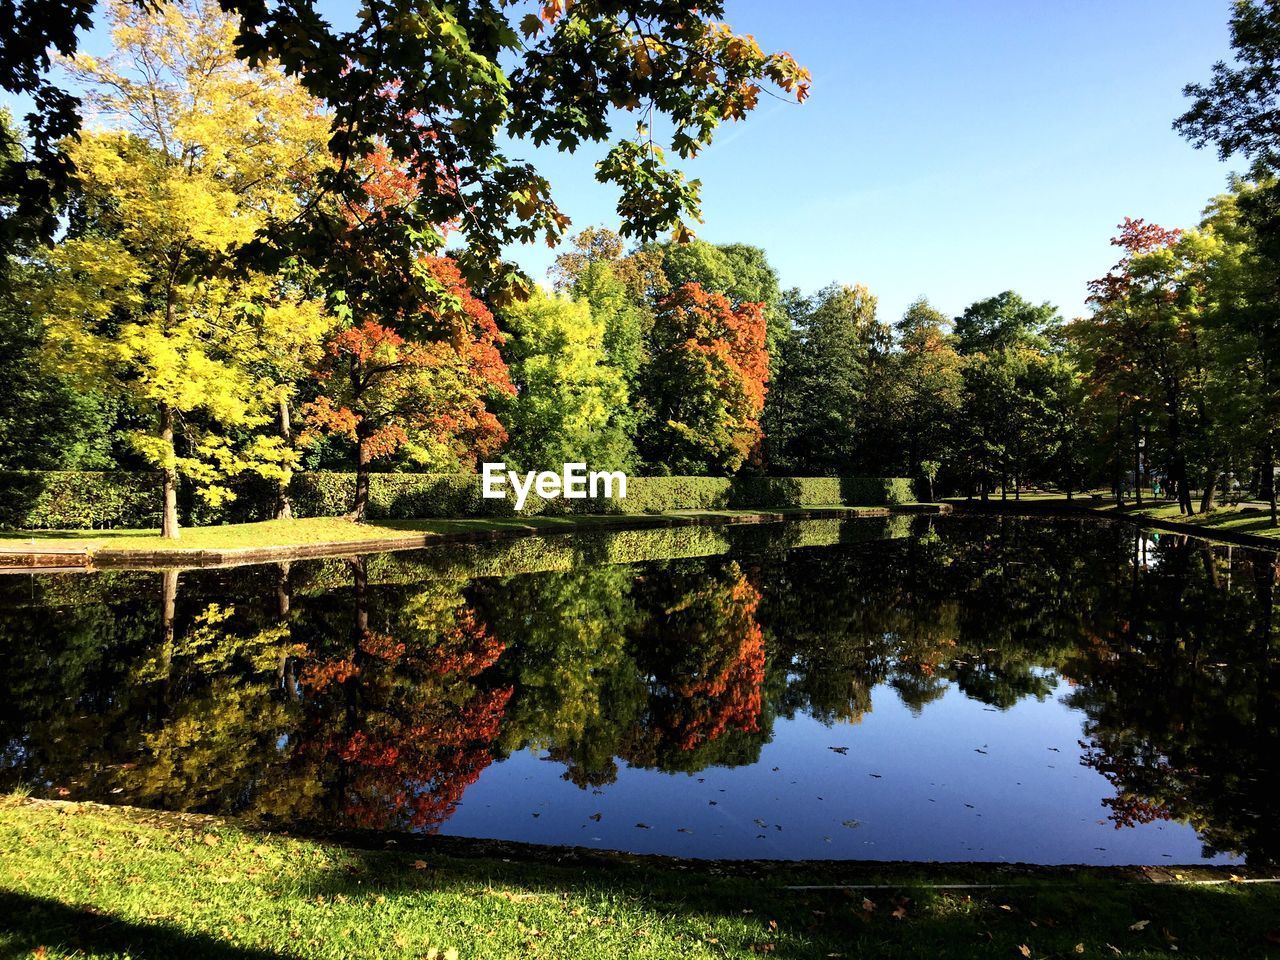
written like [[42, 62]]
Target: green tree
[[45, 423], [928, 381], [816, 410], [570, 402]]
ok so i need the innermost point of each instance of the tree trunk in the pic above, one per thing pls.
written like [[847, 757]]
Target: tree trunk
[[1137, 462], [168, 609], [169, 478], [284, 506], [1179, 465], [1210, 488], [1269, 476], [360, 507]]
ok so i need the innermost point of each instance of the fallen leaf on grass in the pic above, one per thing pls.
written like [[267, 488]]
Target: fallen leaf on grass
[[868, 904], [1079, 948], [1024, 950], [210, 839], [1140, 925], [419, 864]]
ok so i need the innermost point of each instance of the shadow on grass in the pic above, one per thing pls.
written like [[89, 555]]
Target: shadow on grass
[[29, 923]]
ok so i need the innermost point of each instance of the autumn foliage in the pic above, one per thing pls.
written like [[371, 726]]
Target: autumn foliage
[[708, 379], [425, 729]]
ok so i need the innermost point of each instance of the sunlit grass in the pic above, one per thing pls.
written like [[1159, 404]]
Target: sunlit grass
[[90, 882], [284, 534]]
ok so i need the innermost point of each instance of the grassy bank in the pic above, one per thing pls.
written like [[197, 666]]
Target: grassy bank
[[86, 881], [285, 535]]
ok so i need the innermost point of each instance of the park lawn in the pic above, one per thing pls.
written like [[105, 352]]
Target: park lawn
[[279, 533], [1251, 520], [284, 534], [88, 881]]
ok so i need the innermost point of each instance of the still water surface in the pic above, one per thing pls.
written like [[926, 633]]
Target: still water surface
[[1054, 691]]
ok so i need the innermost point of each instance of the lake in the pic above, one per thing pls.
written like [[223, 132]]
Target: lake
[[927, 688]]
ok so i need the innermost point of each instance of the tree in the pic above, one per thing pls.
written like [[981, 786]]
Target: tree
[[1005, 413], [705, 383], [418, 384], [928, 380], [1237, 109], [136, 299], [1144, 329], [442, 86], [569, 403], [817, 409], [738, 270]]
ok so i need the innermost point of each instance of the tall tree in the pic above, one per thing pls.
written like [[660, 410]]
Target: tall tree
[[928, 380], [207, 151], [45, 423], [816, 410], [1142, 324], [419, 385]]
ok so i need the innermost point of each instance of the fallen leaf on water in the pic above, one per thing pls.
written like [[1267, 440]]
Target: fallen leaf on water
[[643, 826], [840, 750], [851, 824], [596, 817]]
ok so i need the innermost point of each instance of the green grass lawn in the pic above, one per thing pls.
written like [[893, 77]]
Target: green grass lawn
[[85, 881], [1248, 520]]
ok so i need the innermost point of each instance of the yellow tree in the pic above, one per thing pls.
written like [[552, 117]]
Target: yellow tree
[[144, 295]]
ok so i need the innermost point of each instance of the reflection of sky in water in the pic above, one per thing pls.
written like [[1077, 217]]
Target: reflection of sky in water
[[1026, 797]]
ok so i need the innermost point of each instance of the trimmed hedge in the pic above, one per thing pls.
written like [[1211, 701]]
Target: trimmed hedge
[[409, 496], [70, 500], [78, 500]]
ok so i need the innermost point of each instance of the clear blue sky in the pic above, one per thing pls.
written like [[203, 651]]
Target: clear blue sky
[[951, 148]]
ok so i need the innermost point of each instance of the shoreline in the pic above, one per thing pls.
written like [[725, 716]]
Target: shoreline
[[19, 554], [1060, 506]]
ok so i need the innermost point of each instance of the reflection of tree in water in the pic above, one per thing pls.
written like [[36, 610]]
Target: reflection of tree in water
[[1181, 682], [577, 688], [660, 666], [703, 650], [395, 721]]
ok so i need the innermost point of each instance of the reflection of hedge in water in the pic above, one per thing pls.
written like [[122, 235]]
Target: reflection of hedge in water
[[460, 561], [567, 552]]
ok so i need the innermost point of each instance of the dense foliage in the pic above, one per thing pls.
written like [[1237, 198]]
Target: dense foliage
[[159, 332]]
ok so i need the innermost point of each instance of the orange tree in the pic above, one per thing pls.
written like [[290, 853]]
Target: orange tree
[[705, 382]]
